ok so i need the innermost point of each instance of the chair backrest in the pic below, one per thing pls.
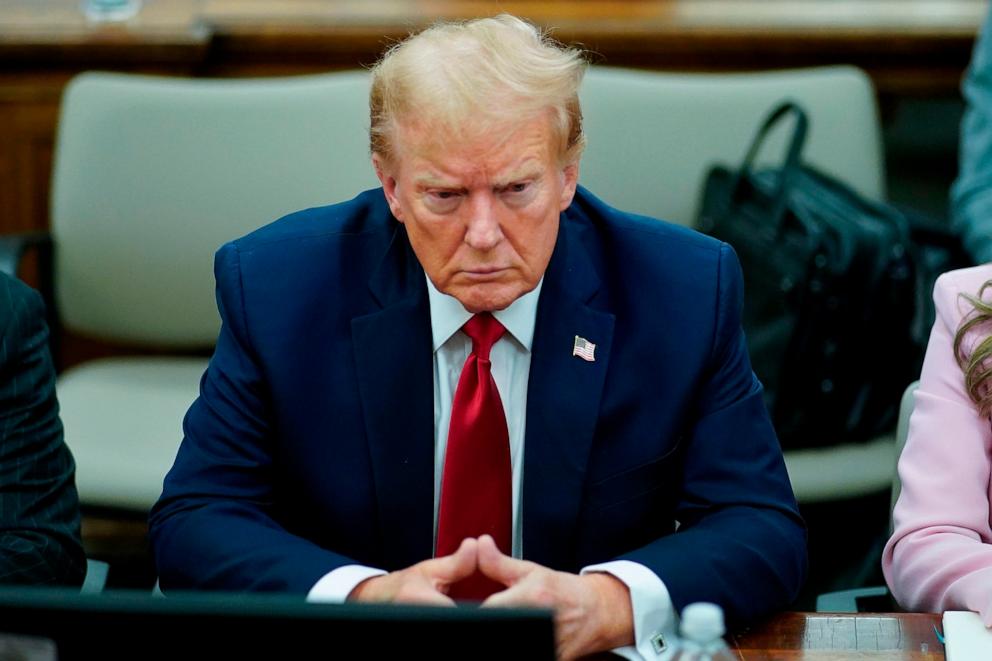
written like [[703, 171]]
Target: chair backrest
[[153, 174], [653, 136], [902, 431]]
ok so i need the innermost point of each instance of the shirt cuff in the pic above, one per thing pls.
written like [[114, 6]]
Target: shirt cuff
[[655, 620], [335, 586]]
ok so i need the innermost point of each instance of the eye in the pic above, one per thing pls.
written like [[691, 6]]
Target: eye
[[441, 200], [519, 193]]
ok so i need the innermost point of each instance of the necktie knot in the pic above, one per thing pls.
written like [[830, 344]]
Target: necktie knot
[[484, 331]]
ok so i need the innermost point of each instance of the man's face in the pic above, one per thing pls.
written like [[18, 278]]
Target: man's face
[[482, 215]]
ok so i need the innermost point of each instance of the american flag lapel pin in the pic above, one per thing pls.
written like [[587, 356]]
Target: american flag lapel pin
[[584, 349]]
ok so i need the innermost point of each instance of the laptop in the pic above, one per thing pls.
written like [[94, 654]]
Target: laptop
[[43, 624]]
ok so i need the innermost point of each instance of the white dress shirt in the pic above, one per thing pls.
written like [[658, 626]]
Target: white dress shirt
[[654, 617]]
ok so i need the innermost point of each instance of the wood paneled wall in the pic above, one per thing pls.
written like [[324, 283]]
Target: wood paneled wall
[[910, 47]]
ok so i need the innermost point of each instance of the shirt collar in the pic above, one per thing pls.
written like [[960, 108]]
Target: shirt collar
[[448, 316]]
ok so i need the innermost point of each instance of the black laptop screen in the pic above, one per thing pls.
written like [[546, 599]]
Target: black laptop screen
[[136, 625]]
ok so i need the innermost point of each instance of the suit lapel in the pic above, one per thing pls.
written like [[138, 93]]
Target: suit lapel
[[563, 398], [395, 381]]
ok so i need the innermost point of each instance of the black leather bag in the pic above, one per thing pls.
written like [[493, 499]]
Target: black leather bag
[[830, 292]]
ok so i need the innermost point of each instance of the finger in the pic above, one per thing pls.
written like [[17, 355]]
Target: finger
[[434, 598], [512, 596], [460, 564], [407, 586], [498, 566], [427, 596]]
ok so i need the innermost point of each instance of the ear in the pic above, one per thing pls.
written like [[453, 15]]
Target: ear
[[385, 173], [570, 176]]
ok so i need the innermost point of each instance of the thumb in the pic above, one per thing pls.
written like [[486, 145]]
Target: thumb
[[460, 564], [499, 566]]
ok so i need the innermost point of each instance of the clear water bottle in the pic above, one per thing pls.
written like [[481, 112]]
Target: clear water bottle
[[100, 11], [702, 634]]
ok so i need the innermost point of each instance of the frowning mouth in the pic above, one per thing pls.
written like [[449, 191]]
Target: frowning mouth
[[484, 273]]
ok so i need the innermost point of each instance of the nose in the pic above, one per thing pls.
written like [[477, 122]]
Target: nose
[[483, 231]]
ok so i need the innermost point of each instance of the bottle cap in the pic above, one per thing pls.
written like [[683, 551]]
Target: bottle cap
[[702, 622]]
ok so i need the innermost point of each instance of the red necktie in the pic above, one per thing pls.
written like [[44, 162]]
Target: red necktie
[[475, 486]]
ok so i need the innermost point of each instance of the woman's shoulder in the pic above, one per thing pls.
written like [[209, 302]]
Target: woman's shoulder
[[949, 287], [964, 281], [952, 290]]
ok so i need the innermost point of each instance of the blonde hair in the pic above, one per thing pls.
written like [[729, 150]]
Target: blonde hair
[[453, 78], [977, 363]]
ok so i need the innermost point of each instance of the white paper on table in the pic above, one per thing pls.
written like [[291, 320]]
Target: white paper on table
[[965, 637]]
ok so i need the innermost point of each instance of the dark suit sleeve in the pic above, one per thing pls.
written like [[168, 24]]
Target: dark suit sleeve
[[741, 542], [214, 526], [39, 508]]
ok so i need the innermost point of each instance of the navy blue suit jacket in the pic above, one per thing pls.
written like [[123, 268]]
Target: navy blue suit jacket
[[312, 442]]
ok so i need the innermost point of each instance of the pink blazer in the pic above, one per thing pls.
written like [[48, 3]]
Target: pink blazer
[[940, 554]]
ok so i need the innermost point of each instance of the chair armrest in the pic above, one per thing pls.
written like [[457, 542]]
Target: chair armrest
[[852, 601], [13, 247], [96, 576], [157, 590]]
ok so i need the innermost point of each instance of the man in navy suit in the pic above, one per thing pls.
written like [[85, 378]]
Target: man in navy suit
[[39, 508], [636, 467]]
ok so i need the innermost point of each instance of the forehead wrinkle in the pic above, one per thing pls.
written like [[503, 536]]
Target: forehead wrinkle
[[435, 161]]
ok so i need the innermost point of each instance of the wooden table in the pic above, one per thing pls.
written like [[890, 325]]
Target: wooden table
[[842, 636]]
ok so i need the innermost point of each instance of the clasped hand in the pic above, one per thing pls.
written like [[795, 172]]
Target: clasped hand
[[592, 611]]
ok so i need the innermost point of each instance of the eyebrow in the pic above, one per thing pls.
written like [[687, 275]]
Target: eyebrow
[[526, 171], [521, 174], [432, 181]]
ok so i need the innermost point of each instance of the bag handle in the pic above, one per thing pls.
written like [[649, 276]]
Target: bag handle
[[792, 156]]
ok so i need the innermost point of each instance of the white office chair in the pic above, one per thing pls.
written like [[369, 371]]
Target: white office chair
[[902, 433], [653, 137], [151, 176], [875, 598]]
